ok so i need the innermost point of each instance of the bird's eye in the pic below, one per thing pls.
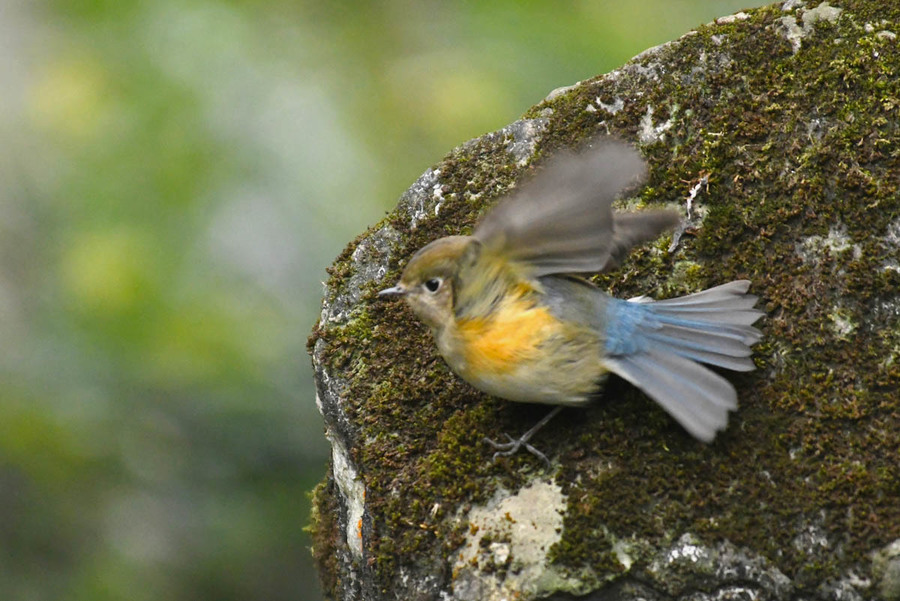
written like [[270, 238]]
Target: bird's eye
[[433, 284]]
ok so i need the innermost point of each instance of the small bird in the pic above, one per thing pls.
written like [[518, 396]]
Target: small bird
[[512, 313]]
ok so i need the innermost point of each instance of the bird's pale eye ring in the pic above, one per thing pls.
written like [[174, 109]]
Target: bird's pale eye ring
[[433, 284]]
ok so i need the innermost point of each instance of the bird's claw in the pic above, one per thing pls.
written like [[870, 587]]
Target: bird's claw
[[512, 446]]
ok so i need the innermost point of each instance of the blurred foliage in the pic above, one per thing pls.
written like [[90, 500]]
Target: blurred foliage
[[174, 178]]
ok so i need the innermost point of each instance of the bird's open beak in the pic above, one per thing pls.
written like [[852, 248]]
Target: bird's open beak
[[397, 290]]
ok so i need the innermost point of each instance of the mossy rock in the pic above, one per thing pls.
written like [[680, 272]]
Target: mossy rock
[[787, 118]]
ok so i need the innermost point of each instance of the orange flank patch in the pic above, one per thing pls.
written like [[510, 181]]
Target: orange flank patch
[[507, 338]]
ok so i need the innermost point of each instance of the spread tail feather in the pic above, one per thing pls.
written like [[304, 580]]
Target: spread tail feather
[[658, 346], [697, 397]]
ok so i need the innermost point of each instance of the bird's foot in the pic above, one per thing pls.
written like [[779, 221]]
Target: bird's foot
[[507, 449], [512, 446]]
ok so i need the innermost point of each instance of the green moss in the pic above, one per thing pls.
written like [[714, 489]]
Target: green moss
[[757, 213], [325, 534], [793, 146]]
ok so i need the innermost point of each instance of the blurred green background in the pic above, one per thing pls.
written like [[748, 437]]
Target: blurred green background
[[175, 175]]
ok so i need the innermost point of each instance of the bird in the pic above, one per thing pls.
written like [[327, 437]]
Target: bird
[[512, 311]]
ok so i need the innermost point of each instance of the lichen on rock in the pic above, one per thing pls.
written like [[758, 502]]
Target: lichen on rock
[[783, 127]]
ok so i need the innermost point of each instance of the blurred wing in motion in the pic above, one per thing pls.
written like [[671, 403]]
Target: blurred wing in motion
[[561, 221]]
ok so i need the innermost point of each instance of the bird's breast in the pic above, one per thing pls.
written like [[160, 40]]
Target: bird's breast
[[522, 351], [509, 337]]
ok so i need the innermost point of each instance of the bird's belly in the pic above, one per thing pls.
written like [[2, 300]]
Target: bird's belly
[[527, 355]]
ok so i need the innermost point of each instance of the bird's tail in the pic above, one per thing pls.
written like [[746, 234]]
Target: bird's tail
[[659, 346]]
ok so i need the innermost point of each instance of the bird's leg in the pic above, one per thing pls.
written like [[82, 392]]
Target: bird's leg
[[505, 449]]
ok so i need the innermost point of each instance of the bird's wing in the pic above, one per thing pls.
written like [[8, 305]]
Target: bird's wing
[[561, 221]]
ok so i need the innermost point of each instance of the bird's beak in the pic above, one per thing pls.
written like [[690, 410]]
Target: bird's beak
[[397, 290]]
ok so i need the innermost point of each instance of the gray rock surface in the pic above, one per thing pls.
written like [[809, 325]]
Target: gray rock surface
[[781, 127]]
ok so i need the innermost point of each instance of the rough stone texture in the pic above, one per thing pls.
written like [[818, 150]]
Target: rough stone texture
[[788, 117]]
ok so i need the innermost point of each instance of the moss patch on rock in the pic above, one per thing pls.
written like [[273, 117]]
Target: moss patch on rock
[[800, 149]]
